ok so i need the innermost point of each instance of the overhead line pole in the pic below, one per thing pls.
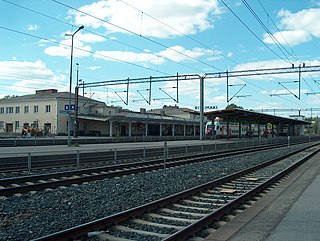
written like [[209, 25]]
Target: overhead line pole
[[226, 74]]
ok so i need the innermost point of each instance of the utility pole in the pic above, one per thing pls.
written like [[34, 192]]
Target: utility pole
[[75, 129], [70, 84]]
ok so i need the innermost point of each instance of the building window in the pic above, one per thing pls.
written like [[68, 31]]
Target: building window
[[17, 125], [17, 109], [35, 109], [2, 110], [9, 110], [26, 109], [35, 124], [48, 108]]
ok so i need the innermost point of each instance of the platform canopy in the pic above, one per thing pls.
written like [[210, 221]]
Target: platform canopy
[[239, 115]]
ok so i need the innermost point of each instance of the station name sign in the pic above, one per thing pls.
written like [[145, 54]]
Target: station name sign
[[207, 107]]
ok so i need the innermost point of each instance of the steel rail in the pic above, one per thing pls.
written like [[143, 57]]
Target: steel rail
[[103, 223], [198, 226], [92, 174]]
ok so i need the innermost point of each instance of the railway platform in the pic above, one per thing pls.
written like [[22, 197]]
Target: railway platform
[[288, 212], [56, 149]]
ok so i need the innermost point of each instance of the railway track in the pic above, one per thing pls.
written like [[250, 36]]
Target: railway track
[[186, 214], [10, 186]]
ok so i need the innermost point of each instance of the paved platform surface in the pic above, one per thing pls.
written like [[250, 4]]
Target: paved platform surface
[[64, 149], [302, 222], [288, 212]]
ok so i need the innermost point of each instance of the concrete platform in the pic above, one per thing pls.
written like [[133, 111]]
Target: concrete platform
[[302, 222], [64, 149], [288, 212]]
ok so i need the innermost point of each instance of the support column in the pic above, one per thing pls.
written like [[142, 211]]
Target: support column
[[266, 130], [184, 129], [194, 130], [173, 129], [110, 128], [239, 130], [272, 128], [201, 107], [130, 129], [258, 129], [228, 132], [146, 129], [160, 129]]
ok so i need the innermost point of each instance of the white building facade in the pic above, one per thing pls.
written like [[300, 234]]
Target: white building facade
[[45, 113]]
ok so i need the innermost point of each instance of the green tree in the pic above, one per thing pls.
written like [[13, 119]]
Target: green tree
[[233, 106], [7, 97], [316, 126]]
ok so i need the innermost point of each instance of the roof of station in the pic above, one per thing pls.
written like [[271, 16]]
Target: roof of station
[[253, 117], [138, 117]]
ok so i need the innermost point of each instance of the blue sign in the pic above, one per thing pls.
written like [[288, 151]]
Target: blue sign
[[72, 107], [64, 112]]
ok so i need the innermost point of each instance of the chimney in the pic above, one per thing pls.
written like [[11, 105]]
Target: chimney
[[47, 91]]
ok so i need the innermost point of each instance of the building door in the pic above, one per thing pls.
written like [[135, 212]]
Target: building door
[[9, 127], [47, 128], [123, 130]]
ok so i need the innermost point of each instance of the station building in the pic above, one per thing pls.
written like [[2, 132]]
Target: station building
[[237, 122], [45, 112]]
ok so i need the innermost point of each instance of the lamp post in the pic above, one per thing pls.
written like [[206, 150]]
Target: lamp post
[[81, 81], [75, 129], [70, 84]]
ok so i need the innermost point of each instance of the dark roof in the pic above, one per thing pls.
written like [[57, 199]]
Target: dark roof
[[254, 117], [47, 96]]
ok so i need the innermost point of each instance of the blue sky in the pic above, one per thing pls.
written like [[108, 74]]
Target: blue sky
[[142, 38]]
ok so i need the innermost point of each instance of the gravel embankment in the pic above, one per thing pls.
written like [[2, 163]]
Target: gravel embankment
[[34, 215]]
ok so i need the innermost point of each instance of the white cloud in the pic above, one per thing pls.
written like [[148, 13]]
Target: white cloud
[[175, 53], [90, 38], [268, 64], [63, 49], [282, 92], [128, 57], [291, 37], [25, 77], [269, 105], [187, 16], [179, 53], [32, 27], [93, 67], [313, 100], [296, 28]]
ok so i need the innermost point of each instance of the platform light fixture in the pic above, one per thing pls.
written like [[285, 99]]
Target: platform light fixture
[[70, 84]]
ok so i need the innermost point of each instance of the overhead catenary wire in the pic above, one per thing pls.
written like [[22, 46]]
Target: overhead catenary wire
[[134, 33], [293, 54], [274, 39], [99, 34], [268, 15], [250, 30], [91, 52], [180, 32], [84, 50], [267, 30]]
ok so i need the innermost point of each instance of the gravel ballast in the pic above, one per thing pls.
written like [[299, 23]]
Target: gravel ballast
[[33, 215]]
